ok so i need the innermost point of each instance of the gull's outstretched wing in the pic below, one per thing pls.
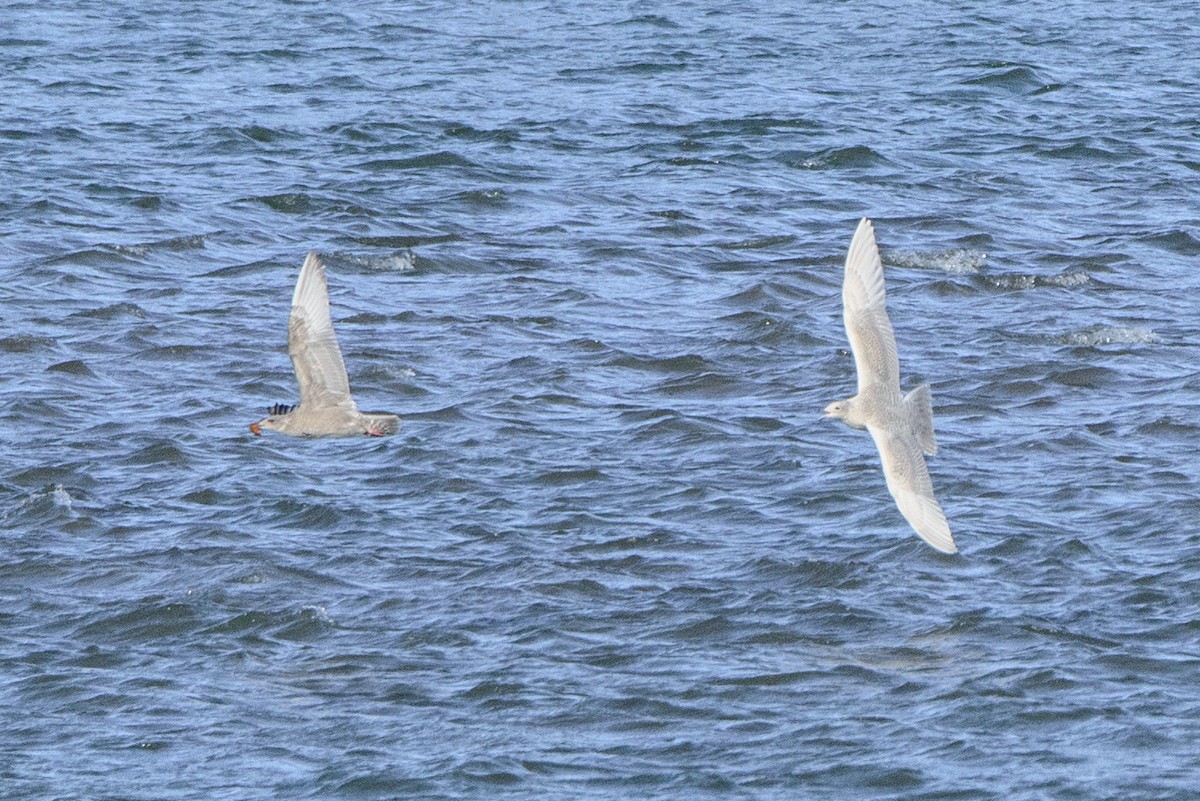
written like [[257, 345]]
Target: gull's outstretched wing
[[312, 344], [864, 306], [908, 481]]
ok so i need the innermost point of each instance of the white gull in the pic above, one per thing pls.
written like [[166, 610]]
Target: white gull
[[901, 425], [326, 408]]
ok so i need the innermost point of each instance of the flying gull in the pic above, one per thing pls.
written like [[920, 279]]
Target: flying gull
[[901, 425], [326, 408]]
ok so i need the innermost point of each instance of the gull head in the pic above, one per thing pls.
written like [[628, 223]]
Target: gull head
[[273, 420], [841, 410]]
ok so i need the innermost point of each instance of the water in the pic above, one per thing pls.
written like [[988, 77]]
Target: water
[[591, 252]]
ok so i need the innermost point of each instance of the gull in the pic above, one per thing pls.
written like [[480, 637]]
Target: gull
[[326, 408], [901, 425]]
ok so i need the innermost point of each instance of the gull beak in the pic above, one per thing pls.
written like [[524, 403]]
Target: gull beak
[[256, 429]]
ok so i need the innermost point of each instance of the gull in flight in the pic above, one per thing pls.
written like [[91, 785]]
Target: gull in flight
[[901, 425], [326, 408]]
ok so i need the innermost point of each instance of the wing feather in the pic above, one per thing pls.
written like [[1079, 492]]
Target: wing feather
[[864, 307], [312, 344], [908, 480]]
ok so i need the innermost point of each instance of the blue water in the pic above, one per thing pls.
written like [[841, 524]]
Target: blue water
[[592, 253]]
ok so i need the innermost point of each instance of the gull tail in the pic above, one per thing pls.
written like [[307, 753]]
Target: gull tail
[[381, 424], [918, 405]]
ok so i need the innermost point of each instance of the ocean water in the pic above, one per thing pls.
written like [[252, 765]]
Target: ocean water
[[591, 253]]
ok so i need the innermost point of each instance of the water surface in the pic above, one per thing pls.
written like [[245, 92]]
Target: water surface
[[591, 253]]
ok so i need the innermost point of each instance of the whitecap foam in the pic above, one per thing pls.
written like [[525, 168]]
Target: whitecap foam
[[403, 262], [54, 497], [1111, 335], [61, 497], [1066, 280], [961, 261]]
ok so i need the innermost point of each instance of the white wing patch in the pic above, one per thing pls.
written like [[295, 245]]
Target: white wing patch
[[864, 308], [312, 344], [908, 480]]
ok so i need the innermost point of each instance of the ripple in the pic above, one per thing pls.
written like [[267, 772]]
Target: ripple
[[1012, 78]]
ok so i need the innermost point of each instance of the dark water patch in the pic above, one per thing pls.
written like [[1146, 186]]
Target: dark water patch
[[17, 42], [75, 367], [365, 318], [148, 621], [240, 270], [288, 203], [176, 353], [159, 453], [1084, 377], [674, 215], [1084, 151], [24, 343], [47, 477], [1171, 427], [405, 241], [82, 87], [834, 158], [1020, 389], [146, 201], [446, 414], [1013, 78], [443, 158], [307, 515], [657, 540], [583, 588], [473, 134], [702, 385], [181, 243], [811, 572], [1179, 242], [309, 623], [761, 425], [558, 478], [206, 497], [685, 363], [759, 243], [385, 784], [264, 135], [655, 21], [677, 230], [113, 312], [769, 296], [485, 198]]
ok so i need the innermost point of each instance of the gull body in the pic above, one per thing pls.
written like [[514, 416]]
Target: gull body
[[326, 408], [901, 424]]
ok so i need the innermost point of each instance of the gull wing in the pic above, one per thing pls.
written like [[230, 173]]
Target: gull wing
[[908, 481], [864, 308], [312, 344]]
